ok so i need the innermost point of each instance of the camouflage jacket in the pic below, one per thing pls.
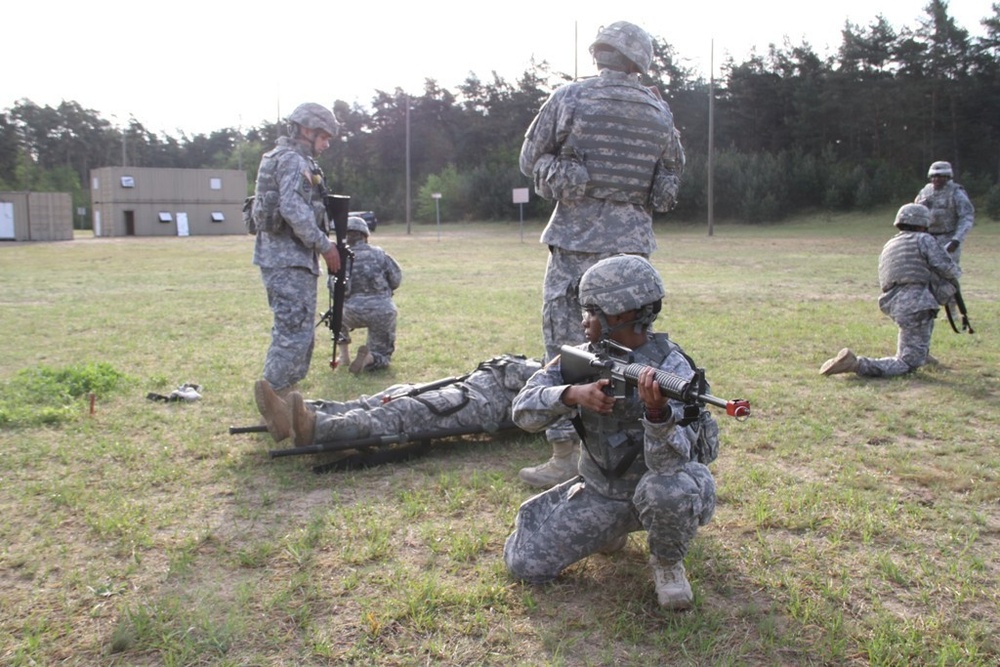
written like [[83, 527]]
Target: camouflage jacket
[[290, 179]]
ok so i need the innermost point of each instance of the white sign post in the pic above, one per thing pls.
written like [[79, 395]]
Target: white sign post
[[521, 198], [436, 196]]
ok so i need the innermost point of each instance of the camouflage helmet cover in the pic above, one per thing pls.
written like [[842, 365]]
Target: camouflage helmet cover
[[356, 224], [315, 117], [628, 39], [619, 284], [913, 215], [940, 169]]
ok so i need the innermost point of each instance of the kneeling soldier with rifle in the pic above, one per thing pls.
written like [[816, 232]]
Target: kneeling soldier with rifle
[[916, 276], [637, 401]]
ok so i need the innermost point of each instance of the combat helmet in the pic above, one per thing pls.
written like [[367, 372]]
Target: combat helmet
[[627, 39], [357, 224], [940, 169], [619, 284], [915, 216], [315, 117]]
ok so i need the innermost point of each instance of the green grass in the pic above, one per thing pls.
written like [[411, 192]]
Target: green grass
[[858, 520]]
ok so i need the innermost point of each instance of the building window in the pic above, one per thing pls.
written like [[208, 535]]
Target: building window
[[166, 217], [217, 216], [215, 183], [128, 182]]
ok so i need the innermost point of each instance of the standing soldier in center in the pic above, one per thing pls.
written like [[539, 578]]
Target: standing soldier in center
[[291, 225], [606, 150]]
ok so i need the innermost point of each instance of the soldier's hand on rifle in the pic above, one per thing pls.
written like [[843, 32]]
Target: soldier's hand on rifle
[[952, 245], [332, 257], [590, 396], [649, 390]]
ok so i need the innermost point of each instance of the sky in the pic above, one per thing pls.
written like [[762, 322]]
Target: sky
[[191, 67]]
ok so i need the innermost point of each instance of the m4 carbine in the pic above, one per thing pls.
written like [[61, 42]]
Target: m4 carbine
[[580, 366]]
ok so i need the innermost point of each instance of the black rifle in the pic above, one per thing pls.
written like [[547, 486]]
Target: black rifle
[[960, 302], [337, 208], [581, 366]]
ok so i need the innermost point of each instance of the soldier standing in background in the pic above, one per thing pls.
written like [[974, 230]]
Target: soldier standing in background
[[916, 275], [606, 149], [290, 218], [375, 275], [952, 214]]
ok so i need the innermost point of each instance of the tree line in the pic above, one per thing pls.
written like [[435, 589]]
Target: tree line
[[793, 131]]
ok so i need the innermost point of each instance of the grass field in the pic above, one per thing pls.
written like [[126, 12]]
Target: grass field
[[858, 520]]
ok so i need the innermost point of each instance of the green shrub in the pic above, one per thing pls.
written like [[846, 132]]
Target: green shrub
[[43, 395]]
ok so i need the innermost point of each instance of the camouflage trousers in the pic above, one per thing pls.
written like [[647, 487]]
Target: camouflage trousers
[[454, 406], [913, 344], [569, 522], [562, 315], [291, 294], [378, 316]]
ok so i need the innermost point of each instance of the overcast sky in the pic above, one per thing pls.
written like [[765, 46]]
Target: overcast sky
[[193, 67]]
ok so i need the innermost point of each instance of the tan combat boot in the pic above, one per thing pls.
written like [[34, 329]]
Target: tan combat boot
[[563, 465], [273, 409], [303, 420], [844, 362], [345, 355], [672, 588], [363, 360]]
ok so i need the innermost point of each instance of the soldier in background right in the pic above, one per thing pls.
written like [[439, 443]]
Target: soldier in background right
[[916, 275], [952, 214]]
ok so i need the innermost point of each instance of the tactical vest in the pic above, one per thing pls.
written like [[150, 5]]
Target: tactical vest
[[612, 457], [902, 262], [944, 215], [265, 211], [620, 131]]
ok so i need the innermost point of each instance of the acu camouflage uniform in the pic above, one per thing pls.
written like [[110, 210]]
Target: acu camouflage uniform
[[483, 397], [952, 214], [916, 275], [375, 275], [634, 475], [607, 151], [291, 235]]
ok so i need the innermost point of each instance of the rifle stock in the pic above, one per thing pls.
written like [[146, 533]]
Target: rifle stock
[[580, 366]]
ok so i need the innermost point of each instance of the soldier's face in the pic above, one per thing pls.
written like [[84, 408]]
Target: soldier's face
[[938, 181], [591, 326]]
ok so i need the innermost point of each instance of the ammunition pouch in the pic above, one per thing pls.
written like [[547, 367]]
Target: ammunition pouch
[[563, 178], [265, 214], [663, 196]]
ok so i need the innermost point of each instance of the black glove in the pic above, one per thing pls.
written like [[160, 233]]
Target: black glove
[[952, 245]]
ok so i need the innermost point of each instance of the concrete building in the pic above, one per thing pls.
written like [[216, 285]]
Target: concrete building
[[137, 201], [36, 216]]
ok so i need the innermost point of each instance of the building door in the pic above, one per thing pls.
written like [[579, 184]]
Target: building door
[[6, 220], [182, 224], [129, 223]]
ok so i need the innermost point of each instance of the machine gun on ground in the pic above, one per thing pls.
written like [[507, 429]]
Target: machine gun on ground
[[579, 366]]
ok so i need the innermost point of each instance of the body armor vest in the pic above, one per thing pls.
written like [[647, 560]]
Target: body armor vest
[[621, 134], [944, 216], [902, 263]]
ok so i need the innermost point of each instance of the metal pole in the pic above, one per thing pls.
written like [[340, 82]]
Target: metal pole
[[711, 139], [407, 164]]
